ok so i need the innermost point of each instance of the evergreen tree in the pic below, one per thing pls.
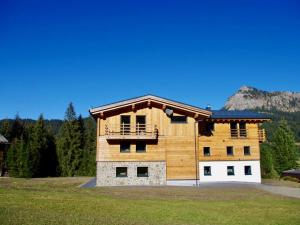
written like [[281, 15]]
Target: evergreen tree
[[5, 129], [17, 128], [267, 162], [284, 148], [69, 144]]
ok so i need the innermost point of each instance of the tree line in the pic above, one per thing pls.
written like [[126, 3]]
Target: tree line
[[280, 153], [35, 150]]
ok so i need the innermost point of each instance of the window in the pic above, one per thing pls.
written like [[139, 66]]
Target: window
[[142, 172], [207, 171], [230, 170], [243, 131], [125, 125], [121, 172], [140, 124], [140, 146], [209, 127], [206, 151], [229, 150], [248, 170], [178, 119], [247, 150], [125, 147], [233, 130]]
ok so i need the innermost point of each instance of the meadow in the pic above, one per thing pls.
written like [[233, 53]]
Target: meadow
[[62, 201]]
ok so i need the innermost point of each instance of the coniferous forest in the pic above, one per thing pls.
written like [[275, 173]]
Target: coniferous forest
[[43, 148]]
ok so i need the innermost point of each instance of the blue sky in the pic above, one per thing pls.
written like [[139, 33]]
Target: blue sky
[[97, 52]]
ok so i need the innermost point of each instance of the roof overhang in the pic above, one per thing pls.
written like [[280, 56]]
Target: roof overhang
[[149, 101]]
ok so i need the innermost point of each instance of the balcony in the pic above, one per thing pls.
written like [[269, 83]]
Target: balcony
[[131, 132], [238, 133], [262, 135]]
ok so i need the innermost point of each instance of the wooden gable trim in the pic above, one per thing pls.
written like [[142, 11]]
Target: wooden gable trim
[[149, 101]]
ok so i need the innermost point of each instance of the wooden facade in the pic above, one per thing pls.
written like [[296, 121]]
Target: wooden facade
[[178, 143]]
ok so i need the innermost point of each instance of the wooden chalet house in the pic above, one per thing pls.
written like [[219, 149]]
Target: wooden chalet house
[[151, 140]]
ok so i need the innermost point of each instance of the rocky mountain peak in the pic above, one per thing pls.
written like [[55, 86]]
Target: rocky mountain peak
[[252, 98]]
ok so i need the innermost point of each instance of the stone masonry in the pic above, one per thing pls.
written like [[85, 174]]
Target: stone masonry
[[106, 173]]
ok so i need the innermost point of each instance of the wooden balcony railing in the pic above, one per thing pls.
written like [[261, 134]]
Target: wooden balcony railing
[[128, 131], [238, 133], [262, 135]]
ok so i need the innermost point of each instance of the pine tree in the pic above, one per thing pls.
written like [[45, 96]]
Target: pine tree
[[5, 129], [69, 144], [284, 148]]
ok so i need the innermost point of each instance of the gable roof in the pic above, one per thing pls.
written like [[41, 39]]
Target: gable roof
[[150, 99], [236, 114]]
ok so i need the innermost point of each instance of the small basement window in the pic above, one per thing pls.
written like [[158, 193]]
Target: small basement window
[[140, 146], [121, 172], [229, 150], [247, 150], [178, 119], [142, 172], [207, 171], [230, 170], [206, 151], [248, 170], [125, 147]]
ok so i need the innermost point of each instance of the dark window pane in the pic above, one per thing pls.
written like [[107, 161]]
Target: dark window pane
[[243, 131], [125, 147], [230, 170], [142, 171], [206, 151], [140, 124], [247, 150], [229, 150], [209, 127], [121, 172], [178, 119], [125, 125], [248, 170], [207, 171], [141, 146]]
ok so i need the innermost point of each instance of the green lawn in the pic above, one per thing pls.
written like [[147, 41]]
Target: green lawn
[[60, 201]]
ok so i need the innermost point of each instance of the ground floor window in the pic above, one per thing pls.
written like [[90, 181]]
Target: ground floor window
[[140, 146], [125, 146], [248, 170], [230, 170], [121, 172], [206, 151], [207, 171], [142, 171]]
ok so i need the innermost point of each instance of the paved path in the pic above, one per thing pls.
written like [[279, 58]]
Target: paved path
[[91, 183], [281, 190]]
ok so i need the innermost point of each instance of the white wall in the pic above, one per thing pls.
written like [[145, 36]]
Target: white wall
[[219, 171]]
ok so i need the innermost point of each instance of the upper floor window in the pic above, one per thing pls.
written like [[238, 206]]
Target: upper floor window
[[125, 146], [207, 171], [248, 170], [125, 124], [209, 127], [247, 150], [230, 170], [140, 146], [121, 172], [142, 172], [206, 151], [178, 119], [229, 150]]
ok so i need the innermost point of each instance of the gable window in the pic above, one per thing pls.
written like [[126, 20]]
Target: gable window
[[247, 150], [206, 151], [248, 170], [142, 172], [229, 150], [140, 146], [178, 119], [125, 147], [121, 172], [230, 170], [207, 171]]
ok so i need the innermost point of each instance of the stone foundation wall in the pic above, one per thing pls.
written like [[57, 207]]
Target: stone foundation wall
[[106, 173]]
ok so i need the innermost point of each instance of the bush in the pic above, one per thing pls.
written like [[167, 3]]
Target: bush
[[289, 178]]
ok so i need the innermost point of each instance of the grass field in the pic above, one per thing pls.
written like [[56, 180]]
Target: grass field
[[60, 201]]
